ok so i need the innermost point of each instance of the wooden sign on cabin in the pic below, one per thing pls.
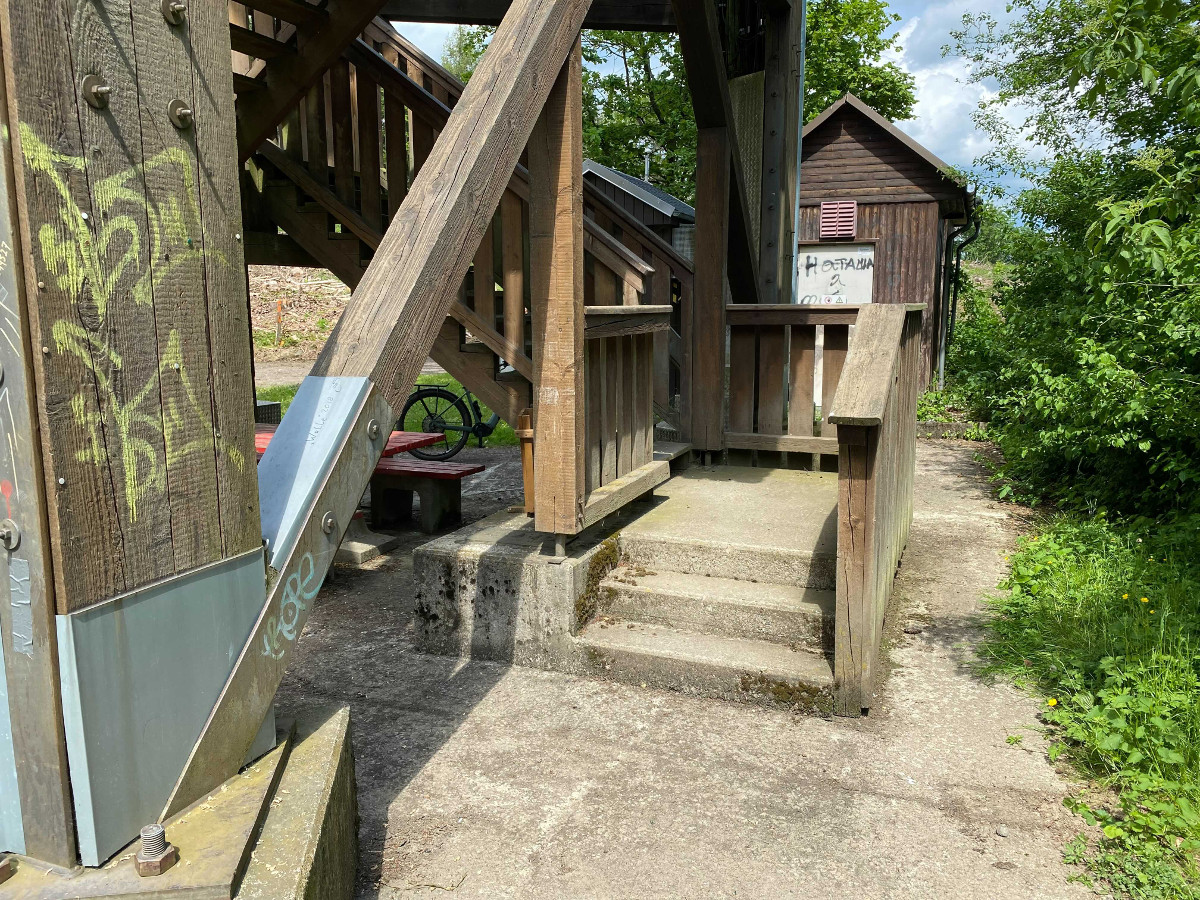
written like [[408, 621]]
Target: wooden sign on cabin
[[836, 274]]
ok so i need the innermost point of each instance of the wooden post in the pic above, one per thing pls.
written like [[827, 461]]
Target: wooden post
[[780, 162], [525, 434], [556, 274], [854, 618], [708, 300]]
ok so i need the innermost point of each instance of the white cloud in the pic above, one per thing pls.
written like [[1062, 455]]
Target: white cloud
[[429, 37], [946, 98]]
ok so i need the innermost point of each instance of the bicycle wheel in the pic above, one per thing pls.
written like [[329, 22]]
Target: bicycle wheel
[[435, 410]]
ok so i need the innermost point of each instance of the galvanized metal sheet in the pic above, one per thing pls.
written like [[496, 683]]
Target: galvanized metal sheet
[[140, 674], [301, 454], [12, 835], [19, 584]]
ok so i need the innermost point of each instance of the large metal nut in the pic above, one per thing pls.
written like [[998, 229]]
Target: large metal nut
[[157, 864], [8, 868]]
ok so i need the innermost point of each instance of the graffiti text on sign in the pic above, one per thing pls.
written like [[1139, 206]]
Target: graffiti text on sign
[[299, 588]]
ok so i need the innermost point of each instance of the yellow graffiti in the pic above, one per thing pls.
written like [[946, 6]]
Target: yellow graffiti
[[128, 420], [78, 254]]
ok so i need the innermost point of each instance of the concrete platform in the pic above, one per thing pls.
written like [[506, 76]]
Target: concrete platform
[[775, 525], [284, 828], [755, 610]]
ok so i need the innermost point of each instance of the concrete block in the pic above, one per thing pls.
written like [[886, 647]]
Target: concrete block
[[308, 847], [494, 590]]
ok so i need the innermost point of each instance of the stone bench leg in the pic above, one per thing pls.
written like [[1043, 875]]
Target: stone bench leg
[[441, 501], [391, 503]]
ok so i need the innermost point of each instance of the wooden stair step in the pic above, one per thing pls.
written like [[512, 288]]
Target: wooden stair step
[[243, 40], [722, 667], [778, 613]]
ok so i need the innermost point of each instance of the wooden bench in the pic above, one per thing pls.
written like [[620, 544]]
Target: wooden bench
[[438, 484]]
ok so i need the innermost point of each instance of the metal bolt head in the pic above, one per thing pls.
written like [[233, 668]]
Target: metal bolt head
[[373, 429], [180, 114], [329, 523], [173, 11], [10, 535], [95, 91]]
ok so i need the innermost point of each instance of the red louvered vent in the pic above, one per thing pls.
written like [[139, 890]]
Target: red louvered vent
[[839, 219]]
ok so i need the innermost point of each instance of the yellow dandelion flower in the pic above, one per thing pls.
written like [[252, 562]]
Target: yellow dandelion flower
[[1151, 611], [1052, 702], [1124, 596], [1145, 599]]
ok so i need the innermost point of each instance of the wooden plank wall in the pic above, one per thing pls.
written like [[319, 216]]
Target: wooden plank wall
[[138, 271], [907, 261]]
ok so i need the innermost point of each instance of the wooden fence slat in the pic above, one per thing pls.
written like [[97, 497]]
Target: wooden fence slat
[[771, 350], [314, 121], [837, 340], [612, 417], [369, 183], [741, 378], [803, 368], [343, 132], [594, 413]]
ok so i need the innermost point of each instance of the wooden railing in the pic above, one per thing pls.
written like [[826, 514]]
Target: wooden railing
[[354, 146], [773, 373], [874, 409]]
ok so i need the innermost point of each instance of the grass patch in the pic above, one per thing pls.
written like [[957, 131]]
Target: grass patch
[[280, 393], [1102, 621], [503, 436]]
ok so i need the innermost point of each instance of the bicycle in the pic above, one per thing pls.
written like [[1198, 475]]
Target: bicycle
[[434, 409]]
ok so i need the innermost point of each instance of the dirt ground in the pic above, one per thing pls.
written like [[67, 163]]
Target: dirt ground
[[485, 780]]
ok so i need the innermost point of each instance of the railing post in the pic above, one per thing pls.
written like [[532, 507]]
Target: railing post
[[708, 309], [854, 619], [556, 279]]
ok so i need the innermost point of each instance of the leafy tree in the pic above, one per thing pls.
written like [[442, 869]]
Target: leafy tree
[[1097, 401], [462, 49], [844, 48], [636, 97]]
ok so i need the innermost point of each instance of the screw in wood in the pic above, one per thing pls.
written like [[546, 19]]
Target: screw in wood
[[180, 114], [62, 481], [328, 523], [95, 91], [373, 430], [173, 11], [10, 535]]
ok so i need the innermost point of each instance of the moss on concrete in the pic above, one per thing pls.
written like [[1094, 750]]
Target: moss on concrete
[[603, 561], [800, 697]]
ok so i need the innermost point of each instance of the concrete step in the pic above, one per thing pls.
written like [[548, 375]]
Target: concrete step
[[722, 667], [720, 559], [781, 614]]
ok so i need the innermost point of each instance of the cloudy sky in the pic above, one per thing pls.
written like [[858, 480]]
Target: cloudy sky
[[945, 101]]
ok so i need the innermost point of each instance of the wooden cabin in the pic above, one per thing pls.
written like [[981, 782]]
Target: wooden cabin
[[869, 188], [666, 215]]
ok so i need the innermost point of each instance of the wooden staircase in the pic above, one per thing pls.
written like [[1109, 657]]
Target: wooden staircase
[[322, 190]]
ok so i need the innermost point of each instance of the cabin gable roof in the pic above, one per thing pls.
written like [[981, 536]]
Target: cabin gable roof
[[850, 151]]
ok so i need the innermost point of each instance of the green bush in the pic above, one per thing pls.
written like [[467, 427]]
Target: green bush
[[1102, 621]]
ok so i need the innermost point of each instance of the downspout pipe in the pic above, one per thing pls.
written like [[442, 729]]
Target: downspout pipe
[[958, 270], [948, 287]]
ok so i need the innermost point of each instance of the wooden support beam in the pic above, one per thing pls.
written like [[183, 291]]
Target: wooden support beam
[[243, 40], [700, 43], [293, 11], [556, 274], [621, 15], [392, 321], [780, 134], [708, 301], [289, 77]]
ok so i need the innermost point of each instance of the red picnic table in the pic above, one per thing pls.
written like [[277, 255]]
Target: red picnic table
[[392, 485], [399, 441]]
